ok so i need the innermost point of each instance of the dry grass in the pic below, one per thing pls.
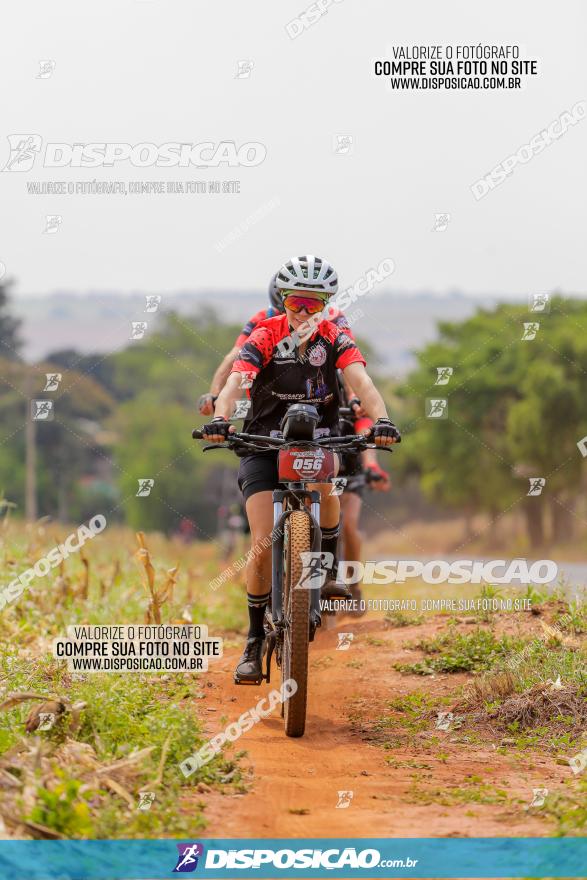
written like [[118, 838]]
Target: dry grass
[[157, 597], [490, 688], [544, 704]]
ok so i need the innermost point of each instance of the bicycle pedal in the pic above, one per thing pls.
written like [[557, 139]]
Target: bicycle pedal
[[245, 681], [315, 622]]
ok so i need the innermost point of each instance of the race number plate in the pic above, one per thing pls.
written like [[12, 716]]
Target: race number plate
[[296, 465]]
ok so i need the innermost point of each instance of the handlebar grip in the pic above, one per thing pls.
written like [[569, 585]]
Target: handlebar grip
[[397, 440]]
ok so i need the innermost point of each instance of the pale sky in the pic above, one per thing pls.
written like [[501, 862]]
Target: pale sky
[[137, 71]]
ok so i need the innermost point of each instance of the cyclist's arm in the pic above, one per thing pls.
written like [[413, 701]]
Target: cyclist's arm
[[368, 458], [348, 390], [228, 396], [371, 400], [223, 371]]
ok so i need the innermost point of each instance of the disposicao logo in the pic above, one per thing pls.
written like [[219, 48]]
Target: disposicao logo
[[187, 860]]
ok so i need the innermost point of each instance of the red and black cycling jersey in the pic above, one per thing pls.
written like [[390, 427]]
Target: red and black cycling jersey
[[280, 376], [336, 317]]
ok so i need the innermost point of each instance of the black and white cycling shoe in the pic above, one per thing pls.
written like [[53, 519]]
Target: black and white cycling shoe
[[249, 669]]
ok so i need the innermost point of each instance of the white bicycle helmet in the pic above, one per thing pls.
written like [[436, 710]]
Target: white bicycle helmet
[[308, 273]]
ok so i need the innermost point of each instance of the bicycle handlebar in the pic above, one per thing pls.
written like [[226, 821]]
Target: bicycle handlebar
[[252, 441]]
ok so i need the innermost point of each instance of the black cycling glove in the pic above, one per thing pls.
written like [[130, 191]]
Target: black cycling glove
[[216, 426], [386, 428]]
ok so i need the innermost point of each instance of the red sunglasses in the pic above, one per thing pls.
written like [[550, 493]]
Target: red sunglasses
[[295, 302]]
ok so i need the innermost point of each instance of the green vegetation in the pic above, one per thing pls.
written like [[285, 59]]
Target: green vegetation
[[10, 341], [474, 791], [572, 618], [64, 808], [411, 713], [569, 809], [453, 651], [403, 618]]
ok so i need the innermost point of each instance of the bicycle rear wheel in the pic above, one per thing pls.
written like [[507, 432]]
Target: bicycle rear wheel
[[296, 604]]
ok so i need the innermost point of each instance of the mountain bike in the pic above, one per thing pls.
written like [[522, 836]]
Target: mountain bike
[[295, 616]]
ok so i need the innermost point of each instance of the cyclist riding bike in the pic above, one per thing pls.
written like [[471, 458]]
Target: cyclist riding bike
[[301, 370], [351, 498], [206, 401]]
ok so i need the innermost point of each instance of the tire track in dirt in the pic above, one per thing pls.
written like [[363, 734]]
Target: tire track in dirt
[[294, 783]]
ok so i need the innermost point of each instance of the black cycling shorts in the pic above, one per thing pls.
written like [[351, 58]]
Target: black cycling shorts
[[351, 489], [351, 466], [258, 473]]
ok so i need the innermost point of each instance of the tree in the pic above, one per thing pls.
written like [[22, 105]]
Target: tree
[[69, 446], [159, 380], [516, 410], [10, 341]]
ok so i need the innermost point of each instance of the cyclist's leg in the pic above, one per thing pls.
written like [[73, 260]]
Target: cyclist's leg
[[257, 479], [329, 505], [259, 509], [352, 503], [330, 525], [353, 539]]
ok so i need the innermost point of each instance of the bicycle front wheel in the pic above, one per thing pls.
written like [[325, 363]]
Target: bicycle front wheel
[[296, 604]]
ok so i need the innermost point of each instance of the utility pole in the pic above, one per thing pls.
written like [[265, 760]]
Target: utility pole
[[30, 503]]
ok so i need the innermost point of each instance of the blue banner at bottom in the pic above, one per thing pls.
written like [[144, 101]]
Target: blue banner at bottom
[[293, 857]]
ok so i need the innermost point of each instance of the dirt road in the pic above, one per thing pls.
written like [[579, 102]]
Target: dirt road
[[422, 784]]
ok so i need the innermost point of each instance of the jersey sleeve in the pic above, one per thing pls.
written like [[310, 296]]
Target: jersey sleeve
[[347, 352], [363, 424], [248, 328], [242, 336], [255, 353]]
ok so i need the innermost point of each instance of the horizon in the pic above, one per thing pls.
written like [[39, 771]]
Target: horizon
[[247, 292]]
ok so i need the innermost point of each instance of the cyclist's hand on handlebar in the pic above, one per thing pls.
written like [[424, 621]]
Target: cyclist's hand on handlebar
[[377, 478], [385, 433], [206, 404], [217, 430]]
